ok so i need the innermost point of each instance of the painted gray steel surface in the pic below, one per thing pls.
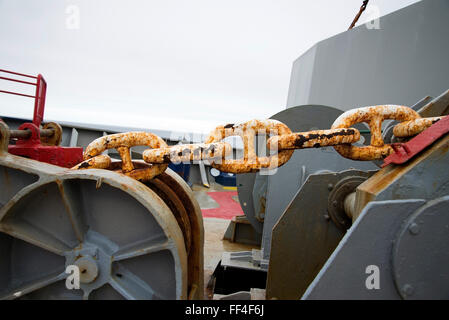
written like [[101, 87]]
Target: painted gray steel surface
[[401, 234], [50, 216], [398, 64], [367, 242], [405, 239]]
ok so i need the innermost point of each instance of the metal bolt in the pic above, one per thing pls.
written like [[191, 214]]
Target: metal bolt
[[326, 216], [414, 228], [330, 186], [88, 269], [408, 289]]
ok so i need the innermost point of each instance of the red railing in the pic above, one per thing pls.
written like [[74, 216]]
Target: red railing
[[39, 97]]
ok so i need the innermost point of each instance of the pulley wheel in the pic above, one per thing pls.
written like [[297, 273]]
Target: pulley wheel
[[120, 234]]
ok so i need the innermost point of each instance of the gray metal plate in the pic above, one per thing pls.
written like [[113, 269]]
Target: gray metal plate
[[304, 237], [368, 242], [421, 253]]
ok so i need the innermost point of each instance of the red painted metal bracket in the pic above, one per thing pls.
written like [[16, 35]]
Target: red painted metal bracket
[[406, 151], [32, 147], [39, 102]]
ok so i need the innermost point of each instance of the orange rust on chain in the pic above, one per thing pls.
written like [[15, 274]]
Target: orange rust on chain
[[247, 131], [123, 142], [127, 139], [373, 116], [101, 161], [413, 127], [188, 152], [125, 154], [282, 139], [314, 139], [142, 171]]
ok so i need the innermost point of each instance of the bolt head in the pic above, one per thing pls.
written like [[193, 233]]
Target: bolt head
[[88, 269], [408, 289], [414, 228]]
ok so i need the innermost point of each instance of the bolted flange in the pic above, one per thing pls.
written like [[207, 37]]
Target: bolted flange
[[336, 200]]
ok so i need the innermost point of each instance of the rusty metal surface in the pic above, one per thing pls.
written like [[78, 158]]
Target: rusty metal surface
[[357, 17], [188, 152], [142, 171], [122, 142], [101, 161], [26, 134], [248, 131], [177, 208], [281, 142], [314, 139], [4, 137], [413, 127], [406, 151], [51, 134], [373, 116], [128, 140]]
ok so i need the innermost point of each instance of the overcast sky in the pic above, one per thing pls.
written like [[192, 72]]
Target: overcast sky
[[167, 64]]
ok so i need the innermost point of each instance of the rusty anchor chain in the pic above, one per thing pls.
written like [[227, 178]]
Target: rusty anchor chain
[[281, 143]]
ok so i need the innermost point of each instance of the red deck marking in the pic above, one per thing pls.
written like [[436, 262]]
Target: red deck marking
[[228, 207]]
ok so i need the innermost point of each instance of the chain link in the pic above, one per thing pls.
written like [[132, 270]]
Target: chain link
[[281, 143]]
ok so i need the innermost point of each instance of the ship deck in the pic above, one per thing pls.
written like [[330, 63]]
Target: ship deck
[[218, 205]]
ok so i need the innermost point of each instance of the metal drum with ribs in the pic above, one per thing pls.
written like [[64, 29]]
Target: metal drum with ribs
[[129, 240]]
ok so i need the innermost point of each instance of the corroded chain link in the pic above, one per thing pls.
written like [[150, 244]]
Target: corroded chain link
[[248, 131], [373, 116], [188, 152], [122, 142], [281, 143]]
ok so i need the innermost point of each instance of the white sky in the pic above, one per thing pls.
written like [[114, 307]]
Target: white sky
[[174, 64]]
